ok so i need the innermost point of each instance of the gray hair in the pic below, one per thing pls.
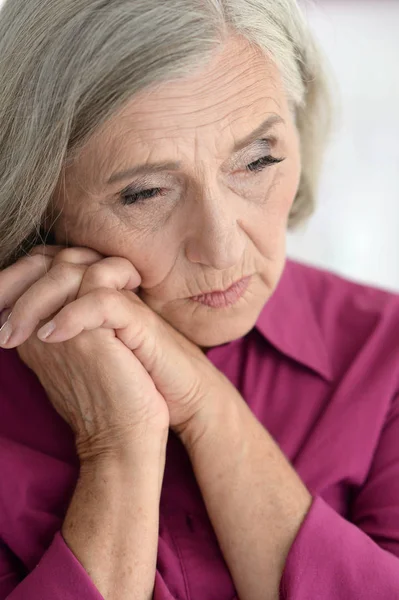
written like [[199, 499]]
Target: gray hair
[[68, 65]]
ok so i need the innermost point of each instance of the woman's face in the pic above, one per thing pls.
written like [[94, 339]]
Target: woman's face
[[211, 219]]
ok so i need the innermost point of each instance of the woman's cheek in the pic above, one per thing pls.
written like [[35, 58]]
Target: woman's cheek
[[280, 200]]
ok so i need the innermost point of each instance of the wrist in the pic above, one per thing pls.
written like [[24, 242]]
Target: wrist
[[222, 412], [127, 452]]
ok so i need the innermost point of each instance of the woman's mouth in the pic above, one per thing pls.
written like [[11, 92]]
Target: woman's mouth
[[226, 298]]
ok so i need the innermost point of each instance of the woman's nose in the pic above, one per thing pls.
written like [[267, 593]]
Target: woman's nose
[[217, 240]]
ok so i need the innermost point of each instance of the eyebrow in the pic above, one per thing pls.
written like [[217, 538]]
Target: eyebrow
[[156, 167]]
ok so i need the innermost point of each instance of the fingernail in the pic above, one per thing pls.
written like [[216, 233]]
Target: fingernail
[[4, 316], [45, 331], [5, 333]]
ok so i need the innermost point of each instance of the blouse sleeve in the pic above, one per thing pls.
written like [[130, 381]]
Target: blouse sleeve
[[58, 576], [336, 559]]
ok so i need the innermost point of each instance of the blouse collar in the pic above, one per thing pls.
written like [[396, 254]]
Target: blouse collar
[[288, 321]]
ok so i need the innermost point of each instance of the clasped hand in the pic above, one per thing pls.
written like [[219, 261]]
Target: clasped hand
[[81, 291]]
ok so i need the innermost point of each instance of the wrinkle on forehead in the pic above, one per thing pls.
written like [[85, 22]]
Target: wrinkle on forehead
[[231, 81], [238, 84]]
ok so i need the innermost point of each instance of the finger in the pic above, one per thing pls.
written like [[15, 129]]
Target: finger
[[19, 277], [78, 256], [44, 249], [61, 286], [113, 272], [45, 296], [100, 308]]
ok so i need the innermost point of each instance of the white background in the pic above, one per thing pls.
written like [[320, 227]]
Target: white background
[[355, 230]]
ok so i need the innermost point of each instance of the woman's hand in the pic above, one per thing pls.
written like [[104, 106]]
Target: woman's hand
[[93, 380], [87, 294]]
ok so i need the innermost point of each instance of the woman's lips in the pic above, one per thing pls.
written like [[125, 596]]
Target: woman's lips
[[227, 298]]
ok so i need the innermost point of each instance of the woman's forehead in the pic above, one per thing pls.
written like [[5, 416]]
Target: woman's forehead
[[229, 83], [235, 99]]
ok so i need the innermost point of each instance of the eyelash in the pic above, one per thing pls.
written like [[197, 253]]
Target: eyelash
[[255, 167]]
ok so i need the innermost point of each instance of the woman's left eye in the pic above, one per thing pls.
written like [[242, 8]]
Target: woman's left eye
[[262, 163]]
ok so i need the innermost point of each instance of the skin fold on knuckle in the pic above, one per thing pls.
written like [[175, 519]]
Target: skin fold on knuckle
[[60, 272], [106, 272], [76, 255], [107, 299], [34, 261], [37, 251], [69, 275], [97, 276]]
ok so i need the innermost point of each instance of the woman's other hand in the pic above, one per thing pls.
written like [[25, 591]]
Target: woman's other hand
[[86, 294]]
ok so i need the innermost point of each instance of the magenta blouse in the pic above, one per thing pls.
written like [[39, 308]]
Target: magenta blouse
[[320, 372]]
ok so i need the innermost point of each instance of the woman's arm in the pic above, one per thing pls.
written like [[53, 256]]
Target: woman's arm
[[255, 500], [280, 542], [112, 522], [107, 548]]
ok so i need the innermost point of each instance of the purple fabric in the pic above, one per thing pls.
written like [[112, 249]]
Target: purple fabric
[[320, 371]]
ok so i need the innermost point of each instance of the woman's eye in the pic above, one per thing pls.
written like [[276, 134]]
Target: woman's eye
[[130, 196], [262, 163]]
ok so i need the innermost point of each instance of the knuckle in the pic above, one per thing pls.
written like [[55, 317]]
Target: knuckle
[[62, 271], [31, 259], [119, 261], [76, 255], [66, 255], [102, 273], [107, 297], [40, 249], [95, 275], [43, 251]]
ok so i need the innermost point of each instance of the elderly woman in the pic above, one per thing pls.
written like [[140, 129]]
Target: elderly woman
[[185, 414]]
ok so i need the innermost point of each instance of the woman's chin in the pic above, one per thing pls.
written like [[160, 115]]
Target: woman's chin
[[217, 331]]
